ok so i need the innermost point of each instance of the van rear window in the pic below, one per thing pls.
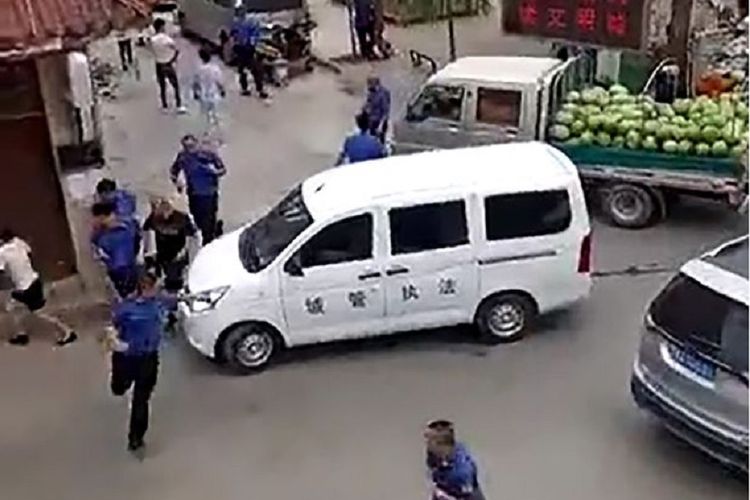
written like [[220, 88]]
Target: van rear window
[[521, 215], [710, 322]]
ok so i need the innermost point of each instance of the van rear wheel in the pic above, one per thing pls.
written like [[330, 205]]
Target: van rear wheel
[[505, 318], [249, 348]]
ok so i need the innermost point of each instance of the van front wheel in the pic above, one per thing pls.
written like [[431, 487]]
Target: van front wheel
[[248, 348], [505, 318]]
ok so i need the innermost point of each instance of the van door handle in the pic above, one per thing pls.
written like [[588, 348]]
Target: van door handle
[[396, 270], [370, 275]]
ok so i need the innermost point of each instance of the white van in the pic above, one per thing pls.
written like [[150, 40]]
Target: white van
[[492, 235]]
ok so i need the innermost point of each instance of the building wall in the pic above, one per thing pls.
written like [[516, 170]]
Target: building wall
[[77, 186]]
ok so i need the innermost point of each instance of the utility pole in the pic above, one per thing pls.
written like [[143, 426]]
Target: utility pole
[[678, 34], [352, 37], [451, 30]]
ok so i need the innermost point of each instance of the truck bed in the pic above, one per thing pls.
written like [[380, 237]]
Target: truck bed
[[721, 177], [589, 156]]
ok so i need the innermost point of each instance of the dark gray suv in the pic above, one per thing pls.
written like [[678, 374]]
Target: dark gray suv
[[691, 369]]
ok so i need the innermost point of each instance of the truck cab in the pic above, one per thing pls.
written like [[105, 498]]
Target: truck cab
[[486, 100]]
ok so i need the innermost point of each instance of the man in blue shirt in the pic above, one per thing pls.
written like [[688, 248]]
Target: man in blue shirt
[[246, 33], [116, 242], [138, 325], [202, 169], [452, 469], [124, 201], [361, 146], [377, 107]]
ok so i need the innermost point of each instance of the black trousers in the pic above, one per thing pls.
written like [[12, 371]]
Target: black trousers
[[173, 272], [204, 209], [140, 373], [165, 72], [366, 38], [379, 130], [126, 52], [247, 59]]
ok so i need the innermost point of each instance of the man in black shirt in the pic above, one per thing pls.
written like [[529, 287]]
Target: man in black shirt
[[169, 234]]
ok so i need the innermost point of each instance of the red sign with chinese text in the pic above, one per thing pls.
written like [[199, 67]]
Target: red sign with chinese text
[[610, 23]]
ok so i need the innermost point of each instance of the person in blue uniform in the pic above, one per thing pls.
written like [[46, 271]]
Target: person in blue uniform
[[138, 323], [362, 145], [377, 107], [452, 469], [202, 169], [124, 201], [246, 33], [116, 242]]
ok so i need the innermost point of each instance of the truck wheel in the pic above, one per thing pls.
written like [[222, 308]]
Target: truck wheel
[[628, 205], [248, 348]]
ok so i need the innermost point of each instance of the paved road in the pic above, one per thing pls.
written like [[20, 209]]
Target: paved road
[[549, 417]]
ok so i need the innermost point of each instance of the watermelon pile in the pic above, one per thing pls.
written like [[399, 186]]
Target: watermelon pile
[[613, 117]]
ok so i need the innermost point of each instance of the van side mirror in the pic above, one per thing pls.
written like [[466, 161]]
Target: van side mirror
[[293, 267]]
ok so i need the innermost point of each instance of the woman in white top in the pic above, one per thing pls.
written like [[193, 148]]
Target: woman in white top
[[208, 90]]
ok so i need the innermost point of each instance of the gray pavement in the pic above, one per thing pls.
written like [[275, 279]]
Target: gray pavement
[[549, 417]]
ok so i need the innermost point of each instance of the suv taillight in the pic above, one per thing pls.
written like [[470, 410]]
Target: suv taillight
[[584, 256]]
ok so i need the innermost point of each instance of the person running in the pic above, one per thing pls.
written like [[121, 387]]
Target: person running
[[246, 34], [165, 54], [377, 107], [27, 298], [170, 237], [138, 325], [123, 200], [116, 243], [361, 146], [202, 168], [124, 39], [453, 471], [208, 89]]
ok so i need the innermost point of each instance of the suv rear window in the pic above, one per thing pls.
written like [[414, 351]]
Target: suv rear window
[[522, 215], [711, 323]]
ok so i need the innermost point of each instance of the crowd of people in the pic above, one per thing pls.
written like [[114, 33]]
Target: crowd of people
[[145, 258], [145, 262]]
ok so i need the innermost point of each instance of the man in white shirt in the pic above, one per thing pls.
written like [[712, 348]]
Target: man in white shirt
[[27, 297], [208, 90], [165, 54]]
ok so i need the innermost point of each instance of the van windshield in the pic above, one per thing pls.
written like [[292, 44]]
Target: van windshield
[[713, 324], [264, 240]]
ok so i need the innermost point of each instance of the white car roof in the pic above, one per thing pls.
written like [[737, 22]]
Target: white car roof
[[502, 168], [724, 270], [499, 69]]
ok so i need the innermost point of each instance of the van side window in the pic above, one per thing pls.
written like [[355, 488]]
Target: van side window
[[437, 101], [499, 107], [521, 215], [428, 227], [347, 240]]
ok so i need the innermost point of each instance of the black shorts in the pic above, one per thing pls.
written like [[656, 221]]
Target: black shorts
[[32, 297]]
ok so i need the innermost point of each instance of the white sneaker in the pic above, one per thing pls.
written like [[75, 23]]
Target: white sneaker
[[182, 110]]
